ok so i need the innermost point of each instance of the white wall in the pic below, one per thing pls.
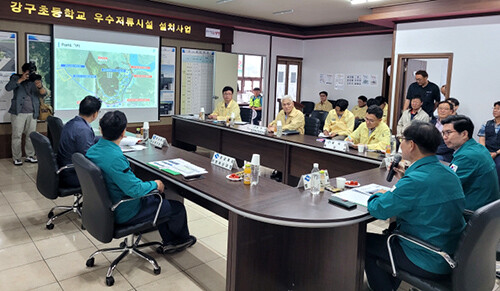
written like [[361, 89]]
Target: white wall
[[344, 55], [475, 45]]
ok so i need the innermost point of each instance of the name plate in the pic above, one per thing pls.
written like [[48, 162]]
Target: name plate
[[158, 141], [338, 145], [223, 161], [258, 129]]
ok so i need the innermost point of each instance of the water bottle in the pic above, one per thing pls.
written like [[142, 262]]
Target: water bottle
[[315, 179], [202, 114], [393, 145], [145, 127], [255, 167], [231, 119], [279, 128]]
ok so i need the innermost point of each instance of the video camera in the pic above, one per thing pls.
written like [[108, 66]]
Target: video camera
[[33, 75]]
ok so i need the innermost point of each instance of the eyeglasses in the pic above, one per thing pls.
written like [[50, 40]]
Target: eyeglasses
[[401, 139], [447, 132]]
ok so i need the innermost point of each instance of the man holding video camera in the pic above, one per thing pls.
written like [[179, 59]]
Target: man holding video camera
[[24, 110]]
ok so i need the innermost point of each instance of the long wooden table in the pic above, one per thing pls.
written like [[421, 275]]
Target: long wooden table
[[280, 238], [292, 155]]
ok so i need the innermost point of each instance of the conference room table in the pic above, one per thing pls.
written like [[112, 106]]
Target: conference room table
[[292, 155], [279, 237]]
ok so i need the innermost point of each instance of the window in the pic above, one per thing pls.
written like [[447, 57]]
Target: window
[[250, 75]]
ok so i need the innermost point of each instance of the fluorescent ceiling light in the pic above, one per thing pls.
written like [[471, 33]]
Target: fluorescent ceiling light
[[283, 12], [222, 1], [355, 2]]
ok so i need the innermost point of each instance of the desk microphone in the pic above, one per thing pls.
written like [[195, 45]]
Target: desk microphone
[[390, 175]]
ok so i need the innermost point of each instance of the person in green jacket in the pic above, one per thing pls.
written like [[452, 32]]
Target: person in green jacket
[[471, 162], [427, 202], [122, 183]]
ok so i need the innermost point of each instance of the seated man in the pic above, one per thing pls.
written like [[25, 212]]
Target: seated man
[[323, 105], [291, 118], [455, 103], [359, 110], [122, 183], [256, 104], [382, 102], [427, 202], [471, 162], [445, 109], [77, 137], [340, 122], [414, 113], [489, 136], [224, 108], [373, 132]]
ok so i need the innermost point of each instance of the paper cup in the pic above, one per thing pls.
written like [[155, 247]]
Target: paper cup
[[361, 148], [340, 182]]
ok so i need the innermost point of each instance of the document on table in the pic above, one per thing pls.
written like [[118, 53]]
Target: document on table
[[180, 166], [361, 194], [129, 141], [132, 148]]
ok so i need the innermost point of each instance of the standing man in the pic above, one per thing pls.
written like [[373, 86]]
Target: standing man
[[24, 110], [77, 136], [445, 109], [427, 90], [340, 122], [427, 202], [291, 118], [471, 162], [489, 136], [373, 132], [359, 110], [224, 108], [324, 104], [256, 104]]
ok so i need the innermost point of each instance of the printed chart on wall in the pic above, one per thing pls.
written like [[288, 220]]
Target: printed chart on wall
[[167, 81], [196, 80], [38, 51], [8, 65]]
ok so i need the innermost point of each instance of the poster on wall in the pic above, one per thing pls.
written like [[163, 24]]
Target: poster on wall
[[167, 81], [197, 70], [38, 51], [8, 65], [339, 81]]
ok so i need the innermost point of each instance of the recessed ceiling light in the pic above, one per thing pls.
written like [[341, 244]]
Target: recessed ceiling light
[[283, 12], [222, 1]]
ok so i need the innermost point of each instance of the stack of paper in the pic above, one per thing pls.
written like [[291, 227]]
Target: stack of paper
[[179, 166], [361, 194]]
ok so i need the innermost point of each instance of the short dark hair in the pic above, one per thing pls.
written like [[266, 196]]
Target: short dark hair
[[227, 88], [375, 110], [342, 103], [416, 96], [256, 89], [323, 92], [28, 67], [381, 100], [425, 135], [89, 105], [454, 101], [422, 73], [452, 107], [112, 124], [496, 103], [460, 123], [372, 101], [362, 98]]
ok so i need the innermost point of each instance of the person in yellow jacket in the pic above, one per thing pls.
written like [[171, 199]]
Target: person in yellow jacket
[[359, 110], [340, 121], [323, 105], [382, 102], [373, 132], [224, 108], [291, 118]]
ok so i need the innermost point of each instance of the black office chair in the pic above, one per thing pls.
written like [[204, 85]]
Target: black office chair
[[474, 261], [99, 220], [321, 115], [334, 102], [246, 114], [312, 126], [308, 107], [54, 129], [47, 178]]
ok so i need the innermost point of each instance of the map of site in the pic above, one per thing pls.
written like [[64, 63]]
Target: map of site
[[113, 74]]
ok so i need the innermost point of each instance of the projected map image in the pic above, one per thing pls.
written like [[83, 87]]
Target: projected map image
[[126, 80]]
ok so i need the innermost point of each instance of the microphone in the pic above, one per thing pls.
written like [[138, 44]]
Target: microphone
[[390, 175]]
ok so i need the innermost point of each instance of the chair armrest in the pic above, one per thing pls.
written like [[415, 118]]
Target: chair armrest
[[420, 243], [154, 192], [69, 166]]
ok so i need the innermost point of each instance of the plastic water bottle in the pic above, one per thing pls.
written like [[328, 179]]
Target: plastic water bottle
[[393, 145], [145, 127], [202, 114], [255, 166], [231, 119], [279, 128], [315, 179]]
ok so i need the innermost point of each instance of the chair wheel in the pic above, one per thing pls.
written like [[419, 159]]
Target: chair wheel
[[110, 281], [49, 226], [83, 227], [90, 262], [157, 271], [50, 215], [122, 245], [159, 250]]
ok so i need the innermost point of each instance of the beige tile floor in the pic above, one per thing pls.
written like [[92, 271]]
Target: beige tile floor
[[34, 258]]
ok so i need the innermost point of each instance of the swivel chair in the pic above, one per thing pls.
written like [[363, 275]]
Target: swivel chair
[[99, 220], [321, 115], [54, 130], [246, 114], [47, 179], [308, 107], [311, 126], [473, 265]]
